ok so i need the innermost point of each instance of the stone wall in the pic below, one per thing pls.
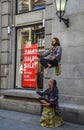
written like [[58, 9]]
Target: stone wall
[[0, 44], [5, 41], [71, 80]]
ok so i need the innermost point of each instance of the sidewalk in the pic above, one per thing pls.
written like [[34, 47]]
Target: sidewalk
[[11, 120]]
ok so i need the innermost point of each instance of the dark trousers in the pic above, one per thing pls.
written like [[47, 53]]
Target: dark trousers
[[45, 62]]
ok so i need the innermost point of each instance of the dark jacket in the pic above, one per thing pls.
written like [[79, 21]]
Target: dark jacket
[[54, 51], [48, 95]]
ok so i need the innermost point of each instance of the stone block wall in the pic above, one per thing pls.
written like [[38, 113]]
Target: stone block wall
[[71, 80]]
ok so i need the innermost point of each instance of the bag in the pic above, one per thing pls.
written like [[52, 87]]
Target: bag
[[58, 69]]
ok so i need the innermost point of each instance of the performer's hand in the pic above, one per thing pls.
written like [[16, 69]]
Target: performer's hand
[[52, 58], [51, 99], [39, 54], [37, 90]]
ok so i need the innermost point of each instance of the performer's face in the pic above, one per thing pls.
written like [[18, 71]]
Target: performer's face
[[53, 42], [50, 83]]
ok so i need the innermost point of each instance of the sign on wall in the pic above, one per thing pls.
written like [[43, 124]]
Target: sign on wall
[[30, 64]]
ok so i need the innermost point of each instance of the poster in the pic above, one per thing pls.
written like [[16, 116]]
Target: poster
[[30, 64]]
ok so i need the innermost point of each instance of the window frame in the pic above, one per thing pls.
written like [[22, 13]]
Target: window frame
[[16, 46], [28, 11]]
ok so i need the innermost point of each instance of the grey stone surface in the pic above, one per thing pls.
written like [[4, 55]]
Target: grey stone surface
[[48, 27], [0, 27], [47, 41], [4, 83], [48, 12], [74, 6], [22, 104], [71, 86], [16, 120], [5, 20], [4, 45], [32, 18], [5, 7], [4, 33], [71, 80], [21, 93]]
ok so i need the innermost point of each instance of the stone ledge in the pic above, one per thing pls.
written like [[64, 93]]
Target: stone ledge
[[32, 107], [26, 101], [72, 113], [34, 95], [20, 93], [72, 106]]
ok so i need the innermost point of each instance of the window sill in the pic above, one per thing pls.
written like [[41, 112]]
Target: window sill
[[20, 93]]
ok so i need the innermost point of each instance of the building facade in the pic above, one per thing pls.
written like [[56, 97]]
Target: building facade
[[35, 21], [0, 27]]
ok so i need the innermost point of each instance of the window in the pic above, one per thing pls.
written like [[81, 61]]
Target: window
[[26, 36], [24, 6], [39, 4]]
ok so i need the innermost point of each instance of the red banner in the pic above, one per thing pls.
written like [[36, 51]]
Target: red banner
[[30, 64]]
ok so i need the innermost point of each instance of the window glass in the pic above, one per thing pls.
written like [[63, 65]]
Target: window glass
[[26, 36], [24, 6]]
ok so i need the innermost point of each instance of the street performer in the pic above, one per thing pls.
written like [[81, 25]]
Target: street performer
[[55, 53]]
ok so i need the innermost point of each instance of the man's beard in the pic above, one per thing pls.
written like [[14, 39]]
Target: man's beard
[[54, 44]]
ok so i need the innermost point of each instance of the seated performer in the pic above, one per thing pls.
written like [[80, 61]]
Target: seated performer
[[54, 56], [49, 101]]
